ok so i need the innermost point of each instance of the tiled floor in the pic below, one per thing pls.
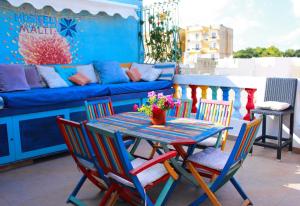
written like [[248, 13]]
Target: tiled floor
[[267, 181]]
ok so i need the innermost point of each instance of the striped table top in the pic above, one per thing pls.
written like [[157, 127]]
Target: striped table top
[[176, 130]]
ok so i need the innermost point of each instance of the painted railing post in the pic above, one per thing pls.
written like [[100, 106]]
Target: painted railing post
[[250, 102], [194, 97], [214, 92], [184, 91], [177, 92], [225, 91], [203, 92], [237, 103]]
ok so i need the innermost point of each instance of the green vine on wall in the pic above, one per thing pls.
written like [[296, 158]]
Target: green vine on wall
[[162, 37]]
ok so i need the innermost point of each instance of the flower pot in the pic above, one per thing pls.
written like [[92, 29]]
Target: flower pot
[[158, 118]]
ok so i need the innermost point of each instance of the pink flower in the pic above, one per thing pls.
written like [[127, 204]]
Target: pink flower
[[151, 94], [160, 95], [170, 98], [135, 107]]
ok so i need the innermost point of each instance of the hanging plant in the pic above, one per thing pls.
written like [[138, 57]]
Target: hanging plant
[[161, 35]]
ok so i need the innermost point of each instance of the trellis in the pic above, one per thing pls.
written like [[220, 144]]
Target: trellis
[[161, 32]]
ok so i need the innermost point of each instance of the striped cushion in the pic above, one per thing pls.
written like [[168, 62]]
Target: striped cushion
[[167, 70]]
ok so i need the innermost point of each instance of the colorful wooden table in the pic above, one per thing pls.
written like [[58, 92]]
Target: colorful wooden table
[[177, 132]]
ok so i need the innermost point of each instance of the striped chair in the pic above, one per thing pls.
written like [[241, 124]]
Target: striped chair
[[183, 110], [222, 164], [80, 149], [98, 108], [132, 177], [217, 112], [102, 108]]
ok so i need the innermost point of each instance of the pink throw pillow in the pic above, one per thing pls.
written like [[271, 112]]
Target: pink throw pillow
[[79, 79], [134, 74]]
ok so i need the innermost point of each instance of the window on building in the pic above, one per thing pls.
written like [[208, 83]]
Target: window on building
[[214, 35], [197, 36], [197, 47]]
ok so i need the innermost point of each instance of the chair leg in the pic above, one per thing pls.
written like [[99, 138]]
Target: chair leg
[[291, 131], [279, 148], [72, 198], [239, 188], [204, 186], [107, 196], [264, 125]]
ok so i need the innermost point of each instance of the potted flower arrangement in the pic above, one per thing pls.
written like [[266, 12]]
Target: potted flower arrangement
[[156, 107]]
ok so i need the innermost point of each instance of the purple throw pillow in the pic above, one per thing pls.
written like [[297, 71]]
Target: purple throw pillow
[[12, 78], [32, 76]]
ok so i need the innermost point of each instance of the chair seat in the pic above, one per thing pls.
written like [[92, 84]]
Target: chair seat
[[209, 142], [210, 157], [146, 177], [272, 112]]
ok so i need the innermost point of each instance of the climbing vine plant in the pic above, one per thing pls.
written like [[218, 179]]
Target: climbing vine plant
[[161, 32]]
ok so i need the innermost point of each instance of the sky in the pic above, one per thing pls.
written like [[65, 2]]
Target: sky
[[254, 22]]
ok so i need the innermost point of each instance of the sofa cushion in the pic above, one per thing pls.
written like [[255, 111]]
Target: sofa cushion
[[167, 70], [88, 71], [46, 96], [79, 79], [147, 71], [132, 87], [65, 74], [52, 78], [110, 72], [33, 78], [134, 74], [12, 78]]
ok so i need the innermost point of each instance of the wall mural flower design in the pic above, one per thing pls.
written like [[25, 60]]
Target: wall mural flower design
[[68, 27], [50, 48]]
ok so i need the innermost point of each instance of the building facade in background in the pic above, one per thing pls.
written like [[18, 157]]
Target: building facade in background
[[207, 42]]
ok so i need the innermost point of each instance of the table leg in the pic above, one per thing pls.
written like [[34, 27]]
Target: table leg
[[180, 167]]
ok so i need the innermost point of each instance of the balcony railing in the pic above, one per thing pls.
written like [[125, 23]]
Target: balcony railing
[[244, 91]]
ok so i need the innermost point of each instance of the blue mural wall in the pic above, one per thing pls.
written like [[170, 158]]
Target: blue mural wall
[[45, 36]]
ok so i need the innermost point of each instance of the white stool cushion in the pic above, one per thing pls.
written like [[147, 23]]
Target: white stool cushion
[[210, 157], [273, 105], [145, 177]]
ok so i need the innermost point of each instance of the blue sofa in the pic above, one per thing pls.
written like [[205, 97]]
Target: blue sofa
[[27, 122]]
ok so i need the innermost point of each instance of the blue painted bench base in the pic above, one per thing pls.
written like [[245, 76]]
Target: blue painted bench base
[[32, 133]]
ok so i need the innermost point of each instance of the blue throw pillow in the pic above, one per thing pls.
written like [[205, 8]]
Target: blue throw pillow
[[167, 70], [66, 73], [110, 72]]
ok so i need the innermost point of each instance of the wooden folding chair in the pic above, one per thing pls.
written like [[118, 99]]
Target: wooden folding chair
[[223, 165], [98, 108], [80, 149], [182, 110], [216, 112], [132, 177], [103, 107]]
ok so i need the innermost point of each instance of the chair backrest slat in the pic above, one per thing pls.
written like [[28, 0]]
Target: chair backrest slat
[[109, 150], [215, 111], [182, 110], [99, 108], [75, 139], [239, 152], [245, 140], [281, 89]]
